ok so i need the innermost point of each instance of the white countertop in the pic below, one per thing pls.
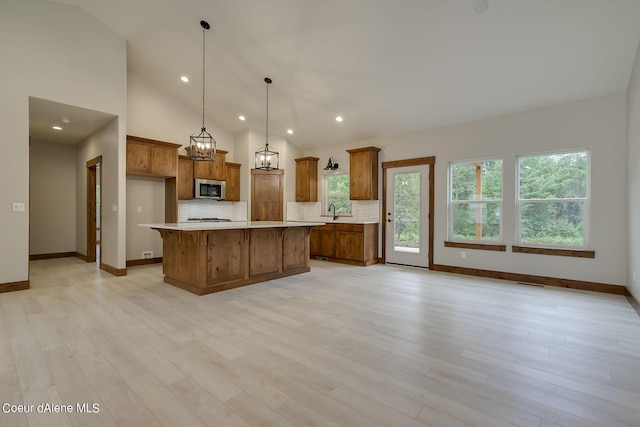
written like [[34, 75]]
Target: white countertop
[[195, 226]]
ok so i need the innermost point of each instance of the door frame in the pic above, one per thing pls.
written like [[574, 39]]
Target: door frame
[[91, 209], [431, 161]]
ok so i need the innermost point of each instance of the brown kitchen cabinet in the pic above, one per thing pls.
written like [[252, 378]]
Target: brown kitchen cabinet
[[363, 173], [148, 157], [185, 178], [211, 170], [355, 244], [323, 241], [307, 179], [233, 181]]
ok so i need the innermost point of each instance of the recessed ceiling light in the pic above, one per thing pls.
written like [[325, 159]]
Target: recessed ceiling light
[[56, 127], [242, 118], [481, 6], [339, 119], [184, 79], [290, 131], [65, 120]]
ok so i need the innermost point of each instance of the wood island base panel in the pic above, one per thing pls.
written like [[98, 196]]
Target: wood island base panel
[[213, 260]]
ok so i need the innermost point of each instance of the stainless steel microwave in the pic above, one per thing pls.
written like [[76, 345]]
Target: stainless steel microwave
[[210, 189]]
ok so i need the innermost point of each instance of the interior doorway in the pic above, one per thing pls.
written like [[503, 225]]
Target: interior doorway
[[407, 203], [94, 210]]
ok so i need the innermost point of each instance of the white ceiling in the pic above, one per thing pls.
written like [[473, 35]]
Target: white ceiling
[[386, 66], [80, 122]]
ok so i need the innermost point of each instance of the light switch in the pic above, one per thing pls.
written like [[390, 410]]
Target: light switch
[[114, 208], [18, 207], [139, 208]]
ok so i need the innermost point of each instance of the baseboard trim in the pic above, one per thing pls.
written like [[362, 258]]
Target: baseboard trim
[[540, 280], [14, 286], [634, 302], [112, 270], [52, 255], [82, 257], [144, 261]]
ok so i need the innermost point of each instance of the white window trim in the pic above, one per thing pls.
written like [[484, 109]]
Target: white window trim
[[451, 203], [326, 195], [587, 203]]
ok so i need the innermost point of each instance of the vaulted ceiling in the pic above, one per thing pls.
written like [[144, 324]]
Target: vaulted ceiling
[[385, 66]]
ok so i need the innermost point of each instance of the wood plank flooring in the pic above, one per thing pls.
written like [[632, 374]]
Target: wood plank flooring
[[339, 346]]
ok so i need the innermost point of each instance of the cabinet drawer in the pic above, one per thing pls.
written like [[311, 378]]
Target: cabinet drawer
[[358, 228]]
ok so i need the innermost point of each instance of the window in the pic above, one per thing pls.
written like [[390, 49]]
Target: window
[[553, 199], [475, 201], [337, 192]]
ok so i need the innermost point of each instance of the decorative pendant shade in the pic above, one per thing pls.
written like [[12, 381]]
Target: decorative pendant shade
[[267, 159], [202, 146]]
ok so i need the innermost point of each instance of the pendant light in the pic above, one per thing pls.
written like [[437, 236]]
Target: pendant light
[[202, 146], [267, 159]]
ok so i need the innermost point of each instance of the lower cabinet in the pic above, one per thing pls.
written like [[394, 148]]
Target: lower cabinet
[[347, 243]]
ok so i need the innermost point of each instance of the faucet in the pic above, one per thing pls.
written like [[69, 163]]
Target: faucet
[[335, 216]]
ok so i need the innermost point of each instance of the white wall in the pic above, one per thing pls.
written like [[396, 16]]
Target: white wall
[[147, 196], [55, 52], [599, 124], [52, 216], [633, 179], [99, 143]]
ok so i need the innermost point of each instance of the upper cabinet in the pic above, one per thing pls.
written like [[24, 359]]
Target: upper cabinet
[[307, 179], [211, 170], [363, 173], [185, 178], [233, 181], [148, 157]]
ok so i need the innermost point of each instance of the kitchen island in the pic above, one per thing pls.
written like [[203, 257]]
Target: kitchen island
[[207, 257]]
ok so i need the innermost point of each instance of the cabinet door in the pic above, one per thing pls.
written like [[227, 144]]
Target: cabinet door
[[225, 257], [138, 157], [363, 172], [322, 241], [350, 242], [185, 178], [265, 251], [211, 170], [233, 181], [266, 195], [295, 249], [307, 179], [163, 160]]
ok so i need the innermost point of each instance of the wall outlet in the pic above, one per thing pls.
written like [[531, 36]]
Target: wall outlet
[[463, 254], [147, 254], [139, 209], [17, 207]]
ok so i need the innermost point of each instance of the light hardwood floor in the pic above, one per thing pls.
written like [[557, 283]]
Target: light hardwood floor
[[341, 345]]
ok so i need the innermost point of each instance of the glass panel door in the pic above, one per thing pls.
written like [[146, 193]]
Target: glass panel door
[[407, 216]]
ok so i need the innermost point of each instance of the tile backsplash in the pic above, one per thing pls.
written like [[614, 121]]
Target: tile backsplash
[[235, 211], [361, 211]]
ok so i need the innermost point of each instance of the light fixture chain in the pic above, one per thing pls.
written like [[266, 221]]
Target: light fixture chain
[[267, 137], [203, 73]]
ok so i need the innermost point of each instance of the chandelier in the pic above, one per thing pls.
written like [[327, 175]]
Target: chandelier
[[267, 159], [202, 146]]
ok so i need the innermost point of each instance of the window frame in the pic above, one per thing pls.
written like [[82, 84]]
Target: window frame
[[585, 200], [471, 243], [326, 195]]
